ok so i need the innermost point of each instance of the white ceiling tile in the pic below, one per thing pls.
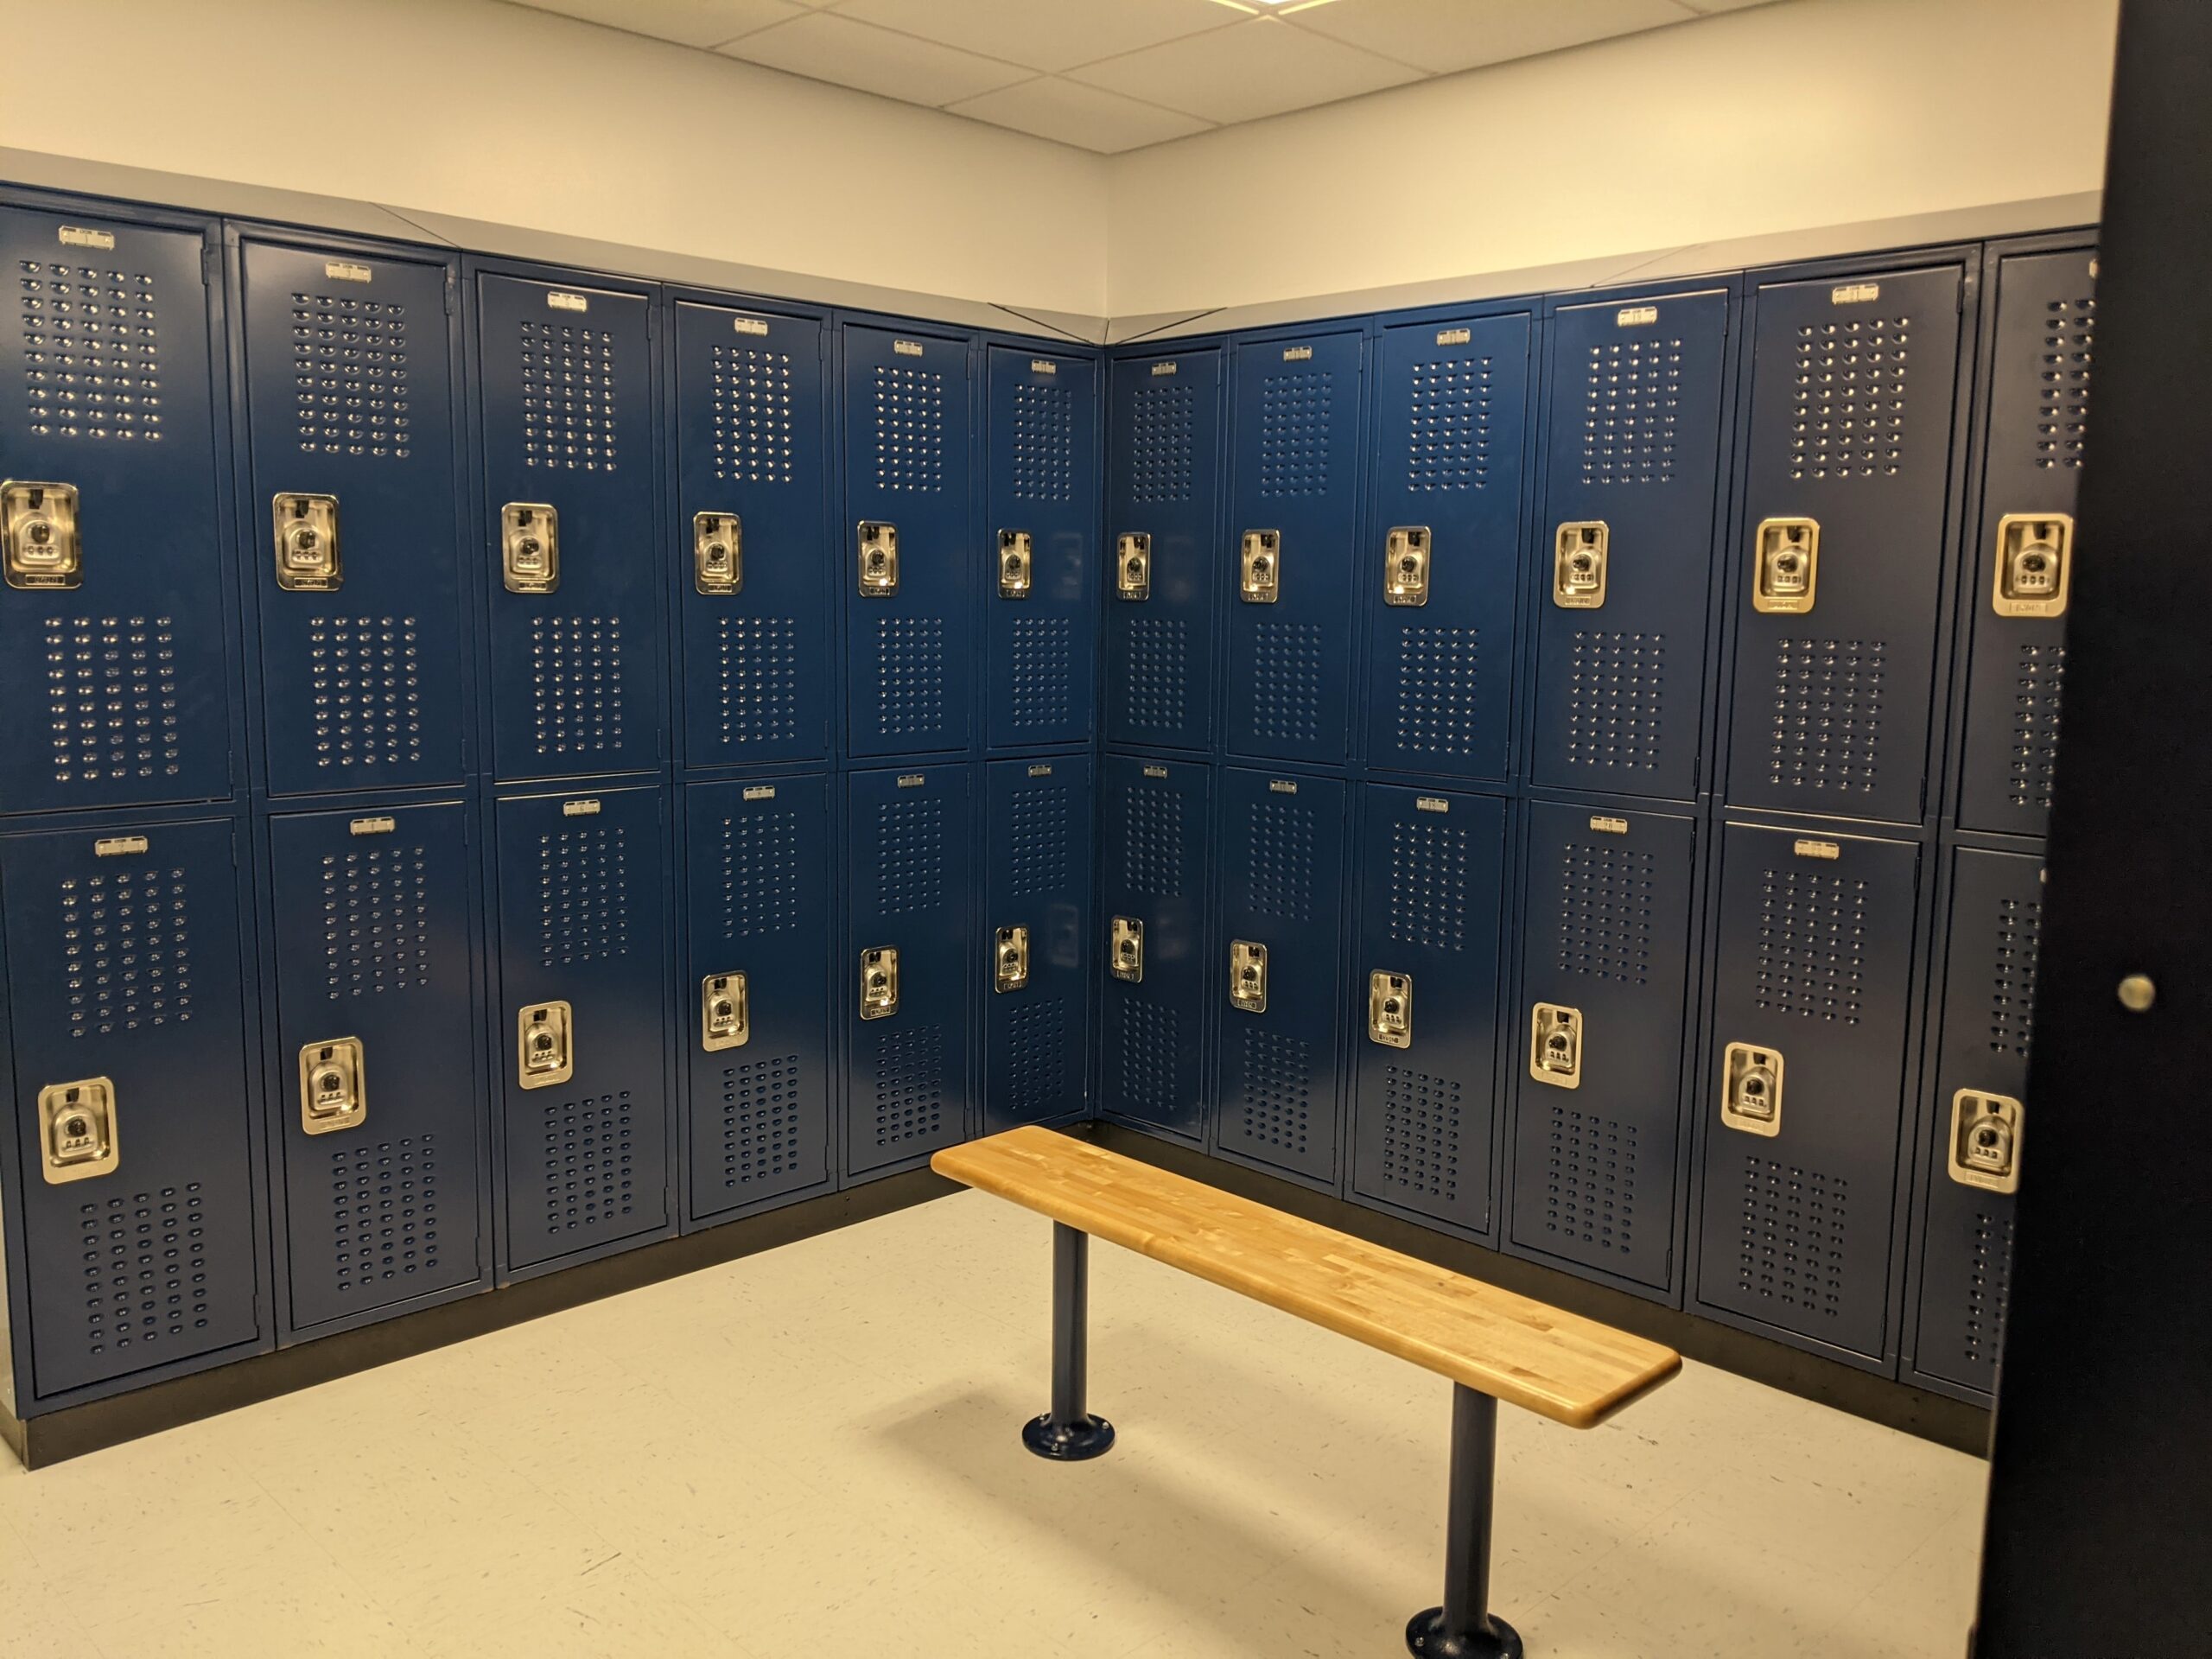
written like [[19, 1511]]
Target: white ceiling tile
[[1261, 67], [1050, 34], [828, 47], [1445, 35], [1088, 117], [688, 23]]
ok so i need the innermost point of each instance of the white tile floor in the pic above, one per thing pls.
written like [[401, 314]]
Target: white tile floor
[[814, 1450]]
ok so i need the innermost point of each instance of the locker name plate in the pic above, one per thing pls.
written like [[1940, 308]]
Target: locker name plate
[[333, 1086], [306, 528], [2035, 564], [718, 552], [1985, 1148], [1785, 566], [1259, 568], [1125, 949], [1133, 565], [1017, 563], [1555, 1045], [76, 1130], [1405, 566], [725, 1013], [1579, 551], [880, 982], [530, 547], [1010, 959], [1751, 1088], [1248, 976], [40, 548], [545, 1045], [1390, 1008], [879, 559]]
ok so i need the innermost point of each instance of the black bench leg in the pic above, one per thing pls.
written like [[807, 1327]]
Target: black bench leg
[[1463, 1628], [1068, 1433]]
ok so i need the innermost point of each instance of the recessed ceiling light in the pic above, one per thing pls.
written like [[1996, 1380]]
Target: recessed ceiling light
[[1262, 8]]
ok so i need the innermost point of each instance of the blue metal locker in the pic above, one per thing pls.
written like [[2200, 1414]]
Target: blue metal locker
[[1162, 503], [906, 972], [1157, 838], [570, 493], [580, 1030], [138, 1207], [1807, 1071], [758, 563], [1424, 998], [115, 607], [350, 528], [1602, 1022], [913, 560], [1042, 523], [1975, 1134], [2039, 365], [378, 1117], [1034, 925], [1443, 544], [1845, 513], [1293, 536], [1281, 855], [1626, 546], [755, 990]]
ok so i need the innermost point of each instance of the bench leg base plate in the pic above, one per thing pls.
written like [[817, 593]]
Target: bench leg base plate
[[1426, 1636], [1075, 1442]]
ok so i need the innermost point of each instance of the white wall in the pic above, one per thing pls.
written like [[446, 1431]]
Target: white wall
[[1808, 113]]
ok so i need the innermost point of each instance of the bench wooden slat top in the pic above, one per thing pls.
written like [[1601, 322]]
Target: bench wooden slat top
[[1557, 1364]]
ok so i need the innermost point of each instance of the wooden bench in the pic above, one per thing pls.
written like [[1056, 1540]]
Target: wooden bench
[[1493, 1344]]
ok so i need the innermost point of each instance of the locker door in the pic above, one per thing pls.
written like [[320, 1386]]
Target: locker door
[[913, 560], [1042, 600], [905, 979], [1293, 540], [578, 685], [1636, 400], [751, 446], [350, 423], [1603, 1016], [1157, 827], [1440, 561], [124, 951], [1164, 495], [1813, 965], [373, 935], [1282, 862], [579, 1031], [1988, 999], [759, 900], [2038, 408], [1424, 1002], [112, 617], [1851, 422], [1037, 879]]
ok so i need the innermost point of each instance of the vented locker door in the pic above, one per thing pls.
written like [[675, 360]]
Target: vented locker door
[[1635, 465], [349, 527], [1424, 1002], [566, 383], [755, 1020], [1444, 545], [760, 564], [1851, 422], [372, 925], [1603, 1019], [1035, 955], [1163, 499], [114, 615], [1281, 863], [1814, 967], [2038, 409], [912, 558], [904, 982], [579, 1031], [129, 1013], [1159, 981], [1293, 542], [1042, 528], [1988, 1003]]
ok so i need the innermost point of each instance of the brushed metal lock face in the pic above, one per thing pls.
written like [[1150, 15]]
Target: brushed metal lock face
[[1017, 564], [1786, 566], [1405, 565], [39, 544], [1248, 976], [333, 1085], [545, 1045], [1125, 949], [530, 547], [1133, 565], [725, 1013], [1579, 551], [879, 559], [718, 552], [1555, 1045], [306, 528], [1390, 1008], [1751, 1088], [1010, 959], [1260, 566], [880, 982], [1986, 1138], [2035, 564], [76, 1130]]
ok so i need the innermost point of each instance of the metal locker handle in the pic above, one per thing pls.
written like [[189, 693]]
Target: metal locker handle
[[1260, 578], [530, 547], [1017, 563], [2035, 564], [545, 1045], [1125, 949], [1986, 1140], [1786, 566], [1555, 1045], [879, 559], [333, 1086], [1133, 565], [40, 548], [1390, 1008], [725, 1013], [1581, 552], [1405, 565], [1751, 1088], [880, 982], [306, 528], [1010, 959], [77, 1130], [718, 553], [1248, 976]]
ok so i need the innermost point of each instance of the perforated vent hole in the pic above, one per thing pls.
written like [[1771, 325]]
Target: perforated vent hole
[[756, 678], [92, 352], [909, 854], [2038, 688], [1043, 651], [1617, 686], [1294, 433], [1037, 1038], [1826, 733], [1590, 1171], [909, 1086], [576, 684], [1812, 944], [755, 439], [2018, 948], [111, 698], [909, 675], [145, 1268], [758, 863], [1793, 1245], [1038, 820], [1151, 840], [1440, 674], [1630, 402], [590, 1162], [1422, 1118], [1277, 1109], [349, 376], [126, 951], [1448, 440], [1159, 443], [376, 921], [908, 406], [1427, 904], [1989, 1290], [583, 894], [1847, 410], [364, 674], [568, 397], [2062, 408], [384, 1211], [1279, 859], [1044, 443], [1604, 911], [1150, 1033], [1287, 681], [1155, 693], [763, 1128]]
